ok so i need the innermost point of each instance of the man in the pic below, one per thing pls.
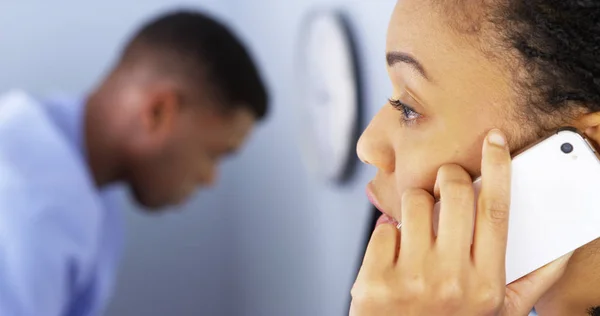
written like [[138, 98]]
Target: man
[[184, 94]]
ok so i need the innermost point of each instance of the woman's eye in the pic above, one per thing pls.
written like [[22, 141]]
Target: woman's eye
[[408, 114]]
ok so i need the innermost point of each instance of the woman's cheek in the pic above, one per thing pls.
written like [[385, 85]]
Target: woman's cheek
[[419, 175]]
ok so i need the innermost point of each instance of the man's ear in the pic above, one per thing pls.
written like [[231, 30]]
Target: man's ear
[[590, 125], [159, 112]]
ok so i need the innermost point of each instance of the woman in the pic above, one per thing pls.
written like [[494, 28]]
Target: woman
[[462, 72]]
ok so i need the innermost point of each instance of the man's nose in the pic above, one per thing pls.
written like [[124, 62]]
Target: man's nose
[[208, 178]]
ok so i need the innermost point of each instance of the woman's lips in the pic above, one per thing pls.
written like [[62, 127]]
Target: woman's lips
[[385, 218], [372, 198]]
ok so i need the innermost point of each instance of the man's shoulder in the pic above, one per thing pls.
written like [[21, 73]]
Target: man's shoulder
[[41, 172], [32, 147], [22, 117]]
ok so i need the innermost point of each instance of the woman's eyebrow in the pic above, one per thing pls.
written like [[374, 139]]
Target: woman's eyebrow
[[394, 58]]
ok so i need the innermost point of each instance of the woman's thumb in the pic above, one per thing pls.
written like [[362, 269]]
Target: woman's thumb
[[524, 293]]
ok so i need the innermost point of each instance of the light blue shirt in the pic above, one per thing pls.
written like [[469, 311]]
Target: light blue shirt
[[60, 236]]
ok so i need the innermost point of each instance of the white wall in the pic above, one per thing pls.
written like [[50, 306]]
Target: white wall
[[297, 241]]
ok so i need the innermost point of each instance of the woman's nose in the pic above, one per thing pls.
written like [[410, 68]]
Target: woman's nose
[[374, 147]]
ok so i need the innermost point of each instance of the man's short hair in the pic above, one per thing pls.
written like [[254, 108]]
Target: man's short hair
[[206, 54]]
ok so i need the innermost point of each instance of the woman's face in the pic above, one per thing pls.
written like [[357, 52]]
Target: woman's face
[[447, 94]]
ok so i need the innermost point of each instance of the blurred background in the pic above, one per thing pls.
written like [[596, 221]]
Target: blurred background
[[270, 239]]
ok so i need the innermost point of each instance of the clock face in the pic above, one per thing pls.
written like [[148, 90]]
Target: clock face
[[329, 100]]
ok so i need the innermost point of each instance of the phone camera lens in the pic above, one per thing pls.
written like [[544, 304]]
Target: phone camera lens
[[566, 148]]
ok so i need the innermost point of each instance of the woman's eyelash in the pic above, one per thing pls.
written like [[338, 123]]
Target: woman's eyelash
[[408, 113]]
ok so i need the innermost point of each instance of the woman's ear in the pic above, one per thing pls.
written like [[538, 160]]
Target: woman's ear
[[590, 125]]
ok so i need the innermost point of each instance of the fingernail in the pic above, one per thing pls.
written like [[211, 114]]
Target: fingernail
[[495, 137]]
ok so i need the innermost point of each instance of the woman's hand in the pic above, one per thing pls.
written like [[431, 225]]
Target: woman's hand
[[459, 271]]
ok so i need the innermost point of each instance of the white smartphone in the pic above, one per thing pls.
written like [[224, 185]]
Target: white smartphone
[[555, 201]]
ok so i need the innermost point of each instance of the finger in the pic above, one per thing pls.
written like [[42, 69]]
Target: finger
[[491, 228], [524, 293], [457, 212], [382, 249], [436, 187], [417, 225]]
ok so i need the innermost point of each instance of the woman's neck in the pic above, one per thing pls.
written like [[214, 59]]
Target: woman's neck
[[578, 291]]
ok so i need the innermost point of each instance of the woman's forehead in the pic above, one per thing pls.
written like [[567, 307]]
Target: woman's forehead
[[419, 32]]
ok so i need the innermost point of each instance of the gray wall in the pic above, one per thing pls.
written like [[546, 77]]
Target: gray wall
[[270, 239]]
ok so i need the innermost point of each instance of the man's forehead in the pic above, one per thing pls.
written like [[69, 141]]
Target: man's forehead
[[231, 128], [240, 121]]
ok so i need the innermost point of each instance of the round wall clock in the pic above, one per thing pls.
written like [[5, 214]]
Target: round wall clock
[[330, 96]]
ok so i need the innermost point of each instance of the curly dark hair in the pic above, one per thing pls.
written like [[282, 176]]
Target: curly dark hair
[[558, 44], [552, 48]]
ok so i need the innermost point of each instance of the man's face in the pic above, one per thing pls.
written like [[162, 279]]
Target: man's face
[[184, 154]]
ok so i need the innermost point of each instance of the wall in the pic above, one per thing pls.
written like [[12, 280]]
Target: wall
[[173, 265], [297, 241]]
